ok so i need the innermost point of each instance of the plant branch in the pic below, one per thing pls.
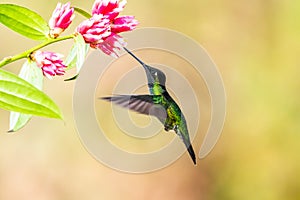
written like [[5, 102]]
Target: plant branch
[[26, 53]]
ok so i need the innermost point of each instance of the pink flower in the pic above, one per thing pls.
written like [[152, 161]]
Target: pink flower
[[50, 63], [101, 30], [123, 23], [115, 42], [112, 44], [110, 8], [61, 18], [94, 29]]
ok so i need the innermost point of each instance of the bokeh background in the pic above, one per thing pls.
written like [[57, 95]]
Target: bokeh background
[[256, 47]]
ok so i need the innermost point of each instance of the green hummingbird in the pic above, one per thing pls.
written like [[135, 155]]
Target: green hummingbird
[[159, 104]]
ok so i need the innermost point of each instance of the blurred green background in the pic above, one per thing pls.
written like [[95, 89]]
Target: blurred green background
[[256, 47]]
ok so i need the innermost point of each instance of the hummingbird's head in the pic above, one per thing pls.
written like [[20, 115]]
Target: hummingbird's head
[[155, 75]]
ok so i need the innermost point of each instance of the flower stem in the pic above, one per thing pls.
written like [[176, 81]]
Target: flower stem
[[83, 12], [26, 53]]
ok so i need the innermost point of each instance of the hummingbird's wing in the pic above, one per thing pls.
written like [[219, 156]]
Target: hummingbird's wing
[[143, 104]]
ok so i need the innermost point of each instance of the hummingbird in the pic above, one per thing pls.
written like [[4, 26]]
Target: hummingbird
[[159, 104]]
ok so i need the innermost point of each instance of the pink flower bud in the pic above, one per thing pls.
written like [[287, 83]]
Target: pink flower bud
[[110, 8], [61, 18], [123, 23], [94, 29], [112, 44], [50, 63]]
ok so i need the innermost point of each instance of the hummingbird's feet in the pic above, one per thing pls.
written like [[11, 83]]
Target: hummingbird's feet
[[169, 126]]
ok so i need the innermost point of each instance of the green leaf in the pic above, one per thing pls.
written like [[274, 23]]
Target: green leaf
[[24, 21], [18, 95], [81, 51], [17, 121], [72, 78], [77, 55], [82, 12], [70, 60], [34, 75], [31, 73]]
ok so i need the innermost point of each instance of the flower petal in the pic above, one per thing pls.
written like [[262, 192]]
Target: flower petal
[[112, 44], [124, 23], [110, 8], [50, 63], [61, 18], [94, 29]]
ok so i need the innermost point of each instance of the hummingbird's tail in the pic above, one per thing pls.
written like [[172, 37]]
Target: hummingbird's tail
[[141, 62], [192, 153], [190, 149], [186, 140]]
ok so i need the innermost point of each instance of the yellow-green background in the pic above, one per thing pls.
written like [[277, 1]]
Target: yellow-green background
[[256, 46]]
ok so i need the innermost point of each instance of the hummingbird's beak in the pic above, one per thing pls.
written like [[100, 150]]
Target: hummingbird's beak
[[134, 56], [146, 67]]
